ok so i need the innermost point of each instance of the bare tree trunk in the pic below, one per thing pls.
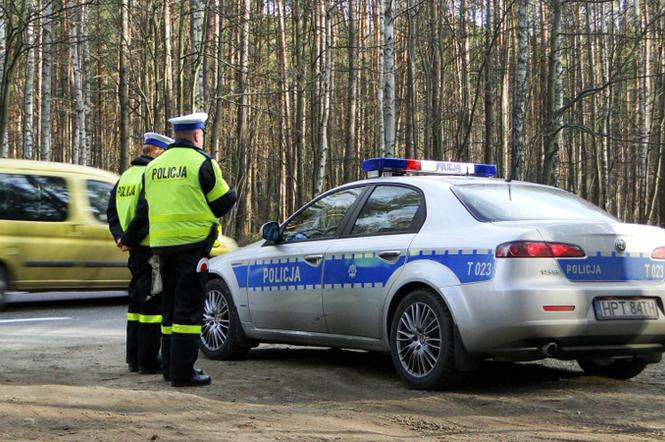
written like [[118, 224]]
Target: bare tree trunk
[[517, 170], [488, 147], [78, 144], [123, 90], [45, 102], [464, 113], [4, 143], [219, 79], [350, 137], [243, 147], [28, 89], [285, 184], [197, 7], [388, 79], [168, 65], [326, 86], [299, 117], [411, 142], [642, 116], [380, 107], [87, 98], [552, 123]]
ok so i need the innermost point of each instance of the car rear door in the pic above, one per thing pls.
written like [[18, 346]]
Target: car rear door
[[284, 280], [360, 266]]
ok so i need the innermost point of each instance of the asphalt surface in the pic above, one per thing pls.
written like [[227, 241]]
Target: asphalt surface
[[53, 316]]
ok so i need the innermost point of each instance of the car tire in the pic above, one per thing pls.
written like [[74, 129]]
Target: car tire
[[4, 284], [616, 369], [219, 335], [421, 322]]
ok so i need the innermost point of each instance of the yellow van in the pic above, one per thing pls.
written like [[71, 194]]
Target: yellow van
[[53, 229]]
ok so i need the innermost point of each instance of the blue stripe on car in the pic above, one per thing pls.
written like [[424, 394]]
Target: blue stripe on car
[[612, 268], [357, 270]]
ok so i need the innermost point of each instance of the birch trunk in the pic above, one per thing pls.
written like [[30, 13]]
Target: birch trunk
[[388, 79], [380, 119], [519, 109], [45, 102], [168, 66], [411, 143], [78, 145], [642, 124], [28, 89], [87, 94], [123, 89], [197, 7], [488, 149], [326, 88]]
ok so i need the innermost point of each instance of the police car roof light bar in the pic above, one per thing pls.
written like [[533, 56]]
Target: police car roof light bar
[[375, 167]]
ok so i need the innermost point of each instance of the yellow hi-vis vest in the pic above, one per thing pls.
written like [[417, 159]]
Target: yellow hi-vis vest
[[127, 195], [178, 210]]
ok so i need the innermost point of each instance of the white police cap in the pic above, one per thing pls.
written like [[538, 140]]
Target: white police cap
[[156, 139], [189, 122]]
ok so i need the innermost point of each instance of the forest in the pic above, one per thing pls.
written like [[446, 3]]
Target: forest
[[562, 92]]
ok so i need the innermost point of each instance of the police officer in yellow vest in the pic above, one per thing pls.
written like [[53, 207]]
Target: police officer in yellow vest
[[185, 195], [144, 312]]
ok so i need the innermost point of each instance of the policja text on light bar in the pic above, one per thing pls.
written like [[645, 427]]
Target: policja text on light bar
[[376, 167]]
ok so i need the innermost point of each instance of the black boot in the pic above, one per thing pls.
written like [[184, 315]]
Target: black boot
[[198, 379]]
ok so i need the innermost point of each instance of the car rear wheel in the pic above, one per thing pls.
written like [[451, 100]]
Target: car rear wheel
[[219, 335], [613, 368], [422, 343]]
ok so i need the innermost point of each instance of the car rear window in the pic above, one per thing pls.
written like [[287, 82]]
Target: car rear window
[[515, 202], [33, 198]]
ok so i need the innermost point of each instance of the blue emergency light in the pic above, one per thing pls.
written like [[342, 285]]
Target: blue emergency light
[[375, 167]]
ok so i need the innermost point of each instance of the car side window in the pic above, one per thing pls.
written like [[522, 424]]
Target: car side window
[[389, 209], [33, 198], [98, 198], [321, 219]]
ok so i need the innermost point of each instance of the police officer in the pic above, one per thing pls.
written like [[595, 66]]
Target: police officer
[[144, 312], [185, 195]]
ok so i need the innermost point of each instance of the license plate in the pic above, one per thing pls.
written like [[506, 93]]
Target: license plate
[[636, 308]]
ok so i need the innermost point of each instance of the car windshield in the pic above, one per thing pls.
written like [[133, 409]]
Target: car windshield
[[515, 202]]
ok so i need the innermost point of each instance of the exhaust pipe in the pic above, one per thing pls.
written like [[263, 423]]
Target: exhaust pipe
[[549, 349]]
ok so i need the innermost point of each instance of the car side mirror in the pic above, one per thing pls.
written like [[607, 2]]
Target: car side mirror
[[270, 231]]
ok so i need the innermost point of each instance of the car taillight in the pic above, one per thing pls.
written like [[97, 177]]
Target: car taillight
[[658, 253], [538, 249]]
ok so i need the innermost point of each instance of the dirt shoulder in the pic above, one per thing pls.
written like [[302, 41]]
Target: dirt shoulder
[[83, 392]]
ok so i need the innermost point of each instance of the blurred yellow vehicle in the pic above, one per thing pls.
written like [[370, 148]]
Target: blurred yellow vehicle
[[53, 229]]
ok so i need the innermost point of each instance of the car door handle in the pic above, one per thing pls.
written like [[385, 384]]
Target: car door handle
[[314, 260], [390, 255]]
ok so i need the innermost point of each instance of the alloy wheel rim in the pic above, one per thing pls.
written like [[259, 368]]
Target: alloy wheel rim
[[216, 320], [418, 339]]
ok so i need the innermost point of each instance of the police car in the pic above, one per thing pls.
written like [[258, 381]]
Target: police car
[[443, 266]]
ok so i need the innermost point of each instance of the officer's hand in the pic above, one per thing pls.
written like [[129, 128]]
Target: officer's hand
[[121, 246]]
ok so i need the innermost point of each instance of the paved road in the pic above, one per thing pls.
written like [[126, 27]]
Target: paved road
[[43, 318]]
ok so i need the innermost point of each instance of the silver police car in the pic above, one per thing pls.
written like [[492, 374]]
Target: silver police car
[[442, 266]]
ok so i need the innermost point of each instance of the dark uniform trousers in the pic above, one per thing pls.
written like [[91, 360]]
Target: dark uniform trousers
[[143, 320], [182, 311]]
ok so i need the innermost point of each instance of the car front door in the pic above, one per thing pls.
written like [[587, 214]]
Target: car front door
[[363, 263], [284, 279]]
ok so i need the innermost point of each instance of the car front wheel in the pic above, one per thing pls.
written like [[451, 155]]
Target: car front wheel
[[422, 343], [219, 335], [613, 368]]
